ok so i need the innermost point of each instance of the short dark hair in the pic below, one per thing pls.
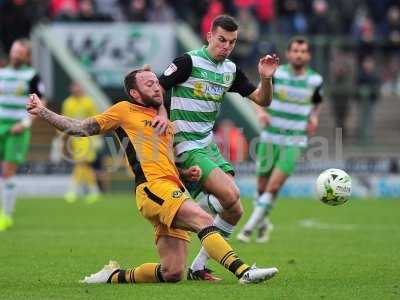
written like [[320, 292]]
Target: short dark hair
[[298, 40], [130, 79], [226, 22]]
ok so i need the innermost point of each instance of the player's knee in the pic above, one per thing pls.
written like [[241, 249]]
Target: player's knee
[[236, 211], [173, 274], [232, 197], [201, 220], [204, 220]]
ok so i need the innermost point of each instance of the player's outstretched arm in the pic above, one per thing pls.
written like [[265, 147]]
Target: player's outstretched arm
[[266, 69], [68, 125]]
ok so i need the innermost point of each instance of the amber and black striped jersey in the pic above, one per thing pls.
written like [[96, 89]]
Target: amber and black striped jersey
[[150, 155]]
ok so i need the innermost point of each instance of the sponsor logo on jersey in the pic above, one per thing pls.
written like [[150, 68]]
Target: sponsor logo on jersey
[[147, 123], [198, 89], [206, 89], [214, 90]]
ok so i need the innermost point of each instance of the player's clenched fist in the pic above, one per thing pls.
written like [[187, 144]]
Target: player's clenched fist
[[34, 104], [193, 173]]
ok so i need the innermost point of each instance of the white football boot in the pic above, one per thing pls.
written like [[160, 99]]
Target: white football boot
[[244, 237], [256, 275], [103, 275], [264, 231]]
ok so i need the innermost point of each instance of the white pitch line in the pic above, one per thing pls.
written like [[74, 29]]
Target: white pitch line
[[310, 223]]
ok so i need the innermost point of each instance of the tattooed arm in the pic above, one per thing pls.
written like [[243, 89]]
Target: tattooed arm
[[68, 125]]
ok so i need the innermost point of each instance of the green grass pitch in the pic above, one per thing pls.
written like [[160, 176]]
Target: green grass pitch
[[346, 252]]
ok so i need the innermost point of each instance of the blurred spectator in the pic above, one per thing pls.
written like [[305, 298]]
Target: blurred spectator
[[16, 21], [231, 142], [291, 17], [160, 12], [365, 33], [320, 22], [391, 28], [265, 12], [87, 13], [246, 47], [342, 12], [136, 11], [109, 9], [185, 10], [215, 8], [247, 4], [342, 71], [64, 10], [368, 86], [378, 8]]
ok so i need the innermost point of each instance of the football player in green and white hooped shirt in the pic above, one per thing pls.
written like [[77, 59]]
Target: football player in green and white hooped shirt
[[17, 81], [291, 117], [199, 80]]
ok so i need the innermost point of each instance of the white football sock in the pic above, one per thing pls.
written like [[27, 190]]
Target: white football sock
[[262, 208], [226, 229], [9, 195]]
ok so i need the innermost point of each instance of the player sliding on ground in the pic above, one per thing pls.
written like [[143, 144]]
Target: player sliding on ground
[[160, 195]]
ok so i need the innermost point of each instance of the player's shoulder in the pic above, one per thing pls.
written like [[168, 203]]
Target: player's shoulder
[[195, 52], [121, 105], [28, 71], [230, 65], [124, 107], [25, 71], [314, 78]]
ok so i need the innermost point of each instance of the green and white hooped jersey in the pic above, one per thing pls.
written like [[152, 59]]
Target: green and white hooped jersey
[[196, 102], [292, 102], [15, 86]]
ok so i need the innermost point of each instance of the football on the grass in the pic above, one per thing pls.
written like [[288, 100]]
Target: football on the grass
[[333, 187]]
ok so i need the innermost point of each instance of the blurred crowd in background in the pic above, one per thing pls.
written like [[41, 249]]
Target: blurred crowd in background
[[367, 21], [358, 41]]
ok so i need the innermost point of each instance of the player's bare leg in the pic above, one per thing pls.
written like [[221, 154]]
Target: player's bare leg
[[173, 254], [191, 217], [8, 194], [222, 188], [265, 203]]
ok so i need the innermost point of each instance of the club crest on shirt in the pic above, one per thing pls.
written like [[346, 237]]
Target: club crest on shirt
[[171, 69], [228, 78], [176, 194]]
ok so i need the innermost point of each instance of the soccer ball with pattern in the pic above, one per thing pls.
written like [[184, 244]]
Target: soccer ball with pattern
[[333, 187]]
